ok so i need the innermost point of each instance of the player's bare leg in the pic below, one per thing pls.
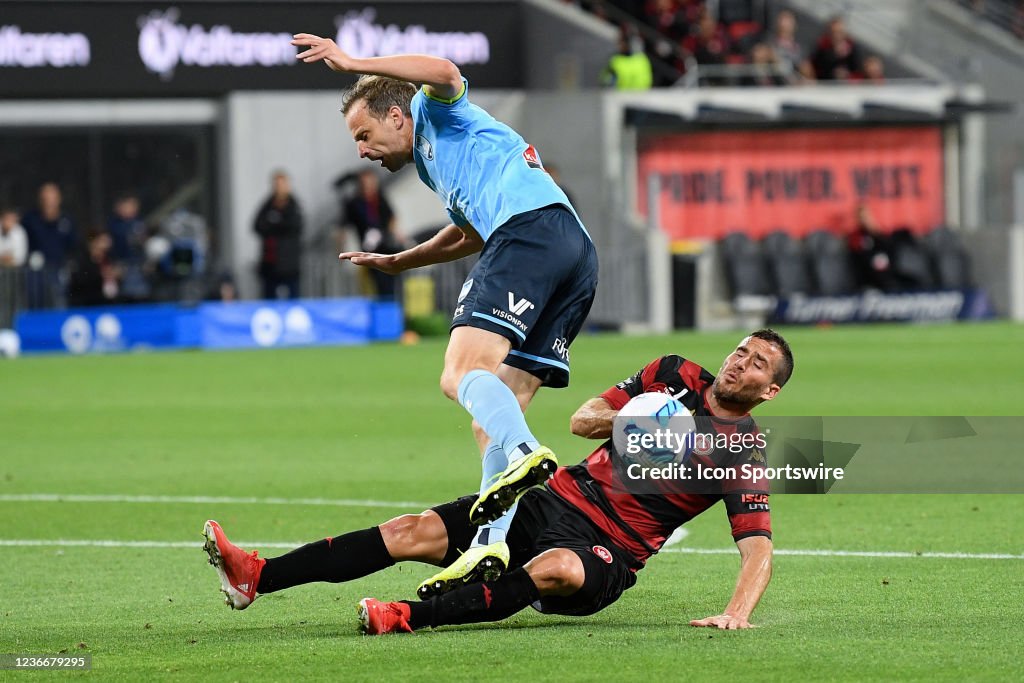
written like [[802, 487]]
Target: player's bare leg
[[488, 556], [558, 571]]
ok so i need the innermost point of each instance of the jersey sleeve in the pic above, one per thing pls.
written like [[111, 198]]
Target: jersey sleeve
[[619, 395], [664, 372], [443, 112], [746, 499]]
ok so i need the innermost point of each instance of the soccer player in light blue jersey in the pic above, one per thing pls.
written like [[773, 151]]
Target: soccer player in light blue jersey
[[526, 298]]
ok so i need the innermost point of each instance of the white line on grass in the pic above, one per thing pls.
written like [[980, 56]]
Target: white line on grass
[[205, 500], [854, 553], [81, 543]]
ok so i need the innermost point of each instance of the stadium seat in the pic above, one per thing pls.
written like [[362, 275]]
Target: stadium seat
[[743, 31], [830, 263], [787, 264], [746, 272], [949, 260], [736, 11], [910, 261]]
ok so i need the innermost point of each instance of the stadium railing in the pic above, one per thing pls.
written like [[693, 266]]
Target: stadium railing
[[12, 295]]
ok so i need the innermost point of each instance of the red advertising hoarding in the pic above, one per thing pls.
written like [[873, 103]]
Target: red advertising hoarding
[[714, 183]]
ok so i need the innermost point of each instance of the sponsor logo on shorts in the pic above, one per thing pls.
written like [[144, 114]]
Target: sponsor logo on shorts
[[603, 553], [459, 311], [520, 306], [561, 348], [498, 313]]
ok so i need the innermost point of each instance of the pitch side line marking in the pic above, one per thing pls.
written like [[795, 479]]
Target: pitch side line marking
[[855, 553], [77, 543], [205, 500]]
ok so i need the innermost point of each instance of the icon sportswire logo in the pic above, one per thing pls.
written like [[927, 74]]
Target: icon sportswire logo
[[518, 307]]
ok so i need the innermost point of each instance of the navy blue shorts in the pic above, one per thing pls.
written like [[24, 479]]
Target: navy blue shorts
[[534, 285]]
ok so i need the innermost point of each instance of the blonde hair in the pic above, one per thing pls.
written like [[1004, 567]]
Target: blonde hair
[[380, 94]]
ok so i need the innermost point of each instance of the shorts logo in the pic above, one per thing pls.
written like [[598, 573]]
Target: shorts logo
[[532, 158], [561, 347], [459, 311], [603, 553], [518, 307], [465, 289], [424, 147]]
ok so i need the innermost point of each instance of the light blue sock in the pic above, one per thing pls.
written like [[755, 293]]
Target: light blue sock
[[495, 408], [494, 463], [496, 530]]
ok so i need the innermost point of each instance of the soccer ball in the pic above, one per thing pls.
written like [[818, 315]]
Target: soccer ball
[[648, 414], [10, 344]]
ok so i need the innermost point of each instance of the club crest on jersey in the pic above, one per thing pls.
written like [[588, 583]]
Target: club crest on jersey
[[424, 147], [532, 158], [703, 444], [603, 553], [468, 285]]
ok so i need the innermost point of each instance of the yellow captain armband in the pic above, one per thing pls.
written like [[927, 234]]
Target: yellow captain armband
[[445, 100]]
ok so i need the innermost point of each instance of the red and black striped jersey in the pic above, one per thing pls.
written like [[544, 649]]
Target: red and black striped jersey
[[640, 521]]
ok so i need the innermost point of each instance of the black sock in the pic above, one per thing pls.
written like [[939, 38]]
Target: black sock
[[342, 558], [477, 602]]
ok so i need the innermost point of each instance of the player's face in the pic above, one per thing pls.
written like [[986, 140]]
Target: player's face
[[746, 375], [387, 141]]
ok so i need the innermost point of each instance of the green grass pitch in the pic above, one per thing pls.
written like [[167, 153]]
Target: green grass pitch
[[369, 424]]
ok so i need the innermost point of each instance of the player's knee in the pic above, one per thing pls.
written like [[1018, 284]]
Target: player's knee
[[450, 380], [556, 572], [414, 537]]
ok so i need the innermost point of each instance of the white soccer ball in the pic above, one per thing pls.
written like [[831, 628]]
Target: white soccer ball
[[648, 429], [10, 344]]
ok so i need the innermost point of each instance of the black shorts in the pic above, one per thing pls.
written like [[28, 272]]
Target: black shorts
[[534, 285], [544, 521]]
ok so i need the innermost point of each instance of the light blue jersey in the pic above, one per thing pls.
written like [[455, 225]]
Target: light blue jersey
[[483, 171]]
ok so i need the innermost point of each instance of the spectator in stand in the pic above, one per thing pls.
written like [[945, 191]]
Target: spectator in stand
[[13, 240], [95, 279], [370, 213], [874, 70], [789, 52], [872, 252], [223, 289], [709, 45], [128, 237], [670, 18], [765, 69], [52, 238], [837, 57], [630, 67], [279, 223]]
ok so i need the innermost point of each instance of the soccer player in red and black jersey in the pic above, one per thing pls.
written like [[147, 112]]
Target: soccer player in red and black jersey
[[577, 543]]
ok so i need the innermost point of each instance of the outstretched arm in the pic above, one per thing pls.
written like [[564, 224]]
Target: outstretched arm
[[593, 419], [449, 244], [442, 77], [755, 573]]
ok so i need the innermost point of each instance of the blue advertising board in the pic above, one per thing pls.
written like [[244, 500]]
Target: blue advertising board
[[247, 324]]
